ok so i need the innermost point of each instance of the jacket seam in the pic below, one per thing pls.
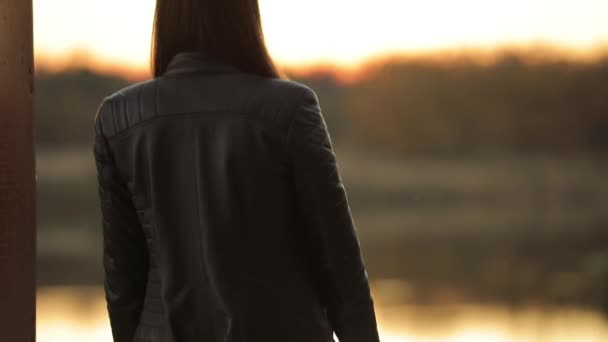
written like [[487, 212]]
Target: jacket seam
[[139, 111], [169, 116], [156, 86], [202, 258], [105, 140], [113, 115], [295, 112]]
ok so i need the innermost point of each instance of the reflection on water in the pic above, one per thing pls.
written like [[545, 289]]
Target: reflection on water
[[71, 314], [76, 314]]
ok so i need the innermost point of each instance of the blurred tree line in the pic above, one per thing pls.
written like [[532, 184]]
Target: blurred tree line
[[461, 107], [497, 229]]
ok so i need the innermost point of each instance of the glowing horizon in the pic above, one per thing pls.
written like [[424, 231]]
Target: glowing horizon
[[116, 33]]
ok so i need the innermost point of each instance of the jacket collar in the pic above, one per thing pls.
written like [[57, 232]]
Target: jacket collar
[[191, 61]]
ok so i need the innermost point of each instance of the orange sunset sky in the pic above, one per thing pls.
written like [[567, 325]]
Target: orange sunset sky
[[115, 34]]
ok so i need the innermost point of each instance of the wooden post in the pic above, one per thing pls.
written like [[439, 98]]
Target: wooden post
[[17, 174]]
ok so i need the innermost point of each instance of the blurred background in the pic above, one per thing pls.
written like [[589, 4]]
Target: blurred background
[[472, 138]]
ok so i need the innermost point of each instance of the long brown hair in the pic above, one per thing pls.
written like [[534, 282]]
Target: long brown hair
[[229, 30]]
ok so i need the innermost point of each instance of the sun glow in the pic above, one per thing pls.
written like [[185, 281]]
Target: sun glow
[[116, 33]]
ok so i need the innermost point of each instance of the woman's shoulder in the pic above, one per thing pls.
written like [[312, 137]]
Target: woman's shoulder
[[277, 98], [121, 99], [293, 90], [132, 89], [284, 96]]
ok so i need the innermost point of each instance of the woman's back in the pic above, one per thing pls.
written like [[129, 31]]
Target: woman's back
[[225, 218]]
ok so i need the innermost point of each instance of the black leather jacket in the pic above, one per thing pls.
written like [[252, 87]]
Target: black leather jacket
[[224, 216]]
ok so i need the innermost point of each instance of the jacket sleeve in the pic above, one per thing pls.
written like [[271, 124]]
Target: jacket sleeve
[[125, 260], [322, 201]]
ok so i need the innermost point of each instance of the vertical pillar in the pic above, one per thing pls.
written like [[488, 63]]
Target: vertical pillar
[[17, 174]]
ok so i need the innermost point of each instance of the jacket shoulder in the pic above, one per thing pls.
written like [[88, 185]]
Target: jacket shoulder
[[282, 98], [288, 92], [123, 108]]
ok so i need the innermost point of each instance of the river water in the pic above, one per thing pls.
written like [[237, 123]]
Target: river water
[[77, 314]]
